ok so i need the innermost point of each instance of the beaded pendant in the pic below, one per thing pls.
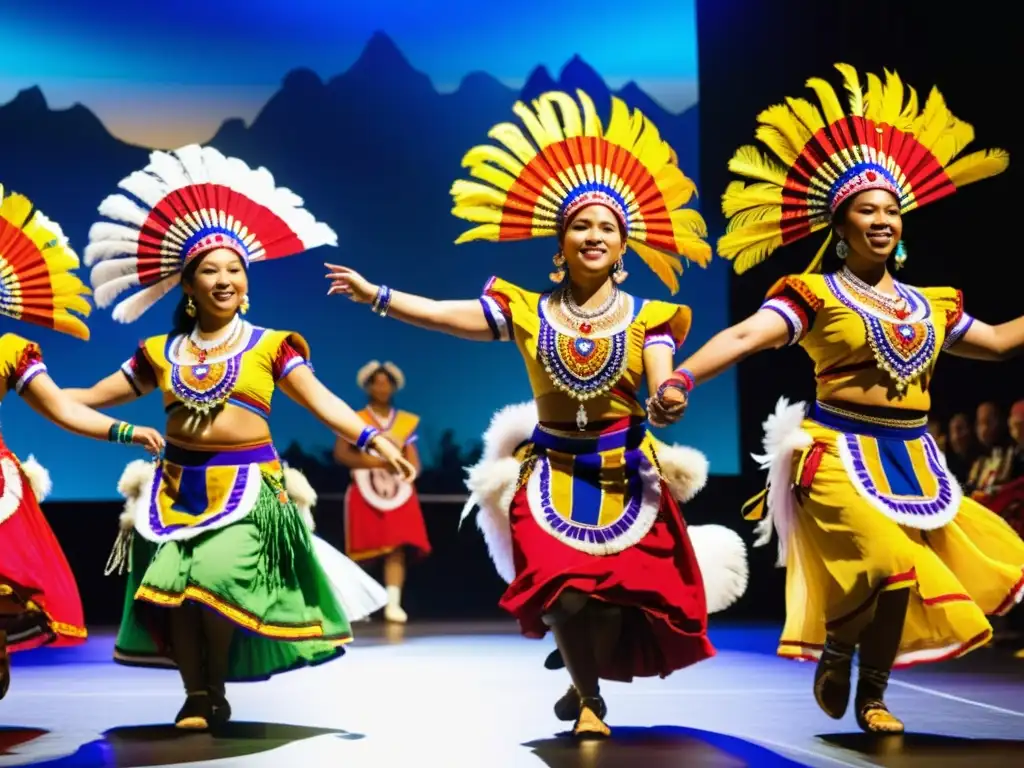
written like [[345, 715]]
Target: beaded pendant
[[580, 366], [205, 386], [903, 341]]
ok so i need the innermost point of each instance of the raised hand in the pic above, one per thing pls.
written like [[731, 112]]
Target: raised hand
[[148, 438], [348, 282]]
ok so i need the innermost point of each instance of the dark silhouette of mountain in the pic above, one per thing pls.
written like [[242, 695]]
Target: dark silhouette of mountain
[[372, 151]]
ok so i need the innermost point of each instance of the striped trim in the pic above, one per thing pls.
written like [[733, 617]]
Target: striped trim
[[957, 332], [496, 319], [660, 338], [244, 619], [30, 373], [788, 311]]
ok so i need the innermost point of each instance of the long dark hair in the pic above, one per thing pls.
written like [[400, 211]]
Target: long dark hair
[[831, 262], [181, 322]]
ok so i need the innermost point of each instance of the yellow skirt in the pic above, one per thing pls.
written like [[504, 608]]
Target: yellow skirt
[[873, 513]]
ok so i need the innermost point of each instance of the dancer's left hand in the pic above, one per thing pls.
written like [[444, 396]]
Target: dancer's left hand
[[392, 454], [666, 408]]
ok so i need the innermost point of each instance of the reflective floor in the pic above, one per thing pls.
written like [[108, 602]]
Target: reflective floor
[[476, 695]]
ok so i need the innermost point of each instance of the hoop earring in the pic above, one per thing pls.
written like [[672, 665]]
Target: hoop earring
[[619, 273], [244, 306], [557, 275], [190, 307], [842, 250], [900, 255]]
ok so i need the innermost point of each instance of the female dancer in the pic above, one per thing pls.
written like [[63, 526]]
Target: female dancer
[[884, 555], [229, 538], [39, 602], [601, 551], [382, 513]]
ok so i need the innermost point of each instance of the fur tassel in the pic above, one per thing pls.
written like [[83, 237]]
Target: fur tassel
[[722, 558], [783, 437], [136, 477], [684, 470], [302, 493], [38, 478]]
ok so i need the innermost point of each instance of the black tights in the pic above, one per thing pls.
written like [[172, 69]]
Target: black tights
[[586, 632], [200, 642], [880, 640]]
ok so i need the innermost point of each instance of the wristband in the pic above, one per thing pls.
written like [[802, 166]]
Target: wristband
[[366, 437], [120, 432], [382, 301]]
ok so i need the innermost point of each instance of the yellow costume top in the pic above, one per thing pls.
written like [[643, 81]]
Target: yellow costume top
[[245, 375], [400, 426], [590, 469], [580, 372], [859, 337], [20, 362]]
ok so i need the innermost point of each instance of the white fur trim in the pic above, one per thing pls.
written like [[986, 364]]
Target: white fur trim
[[492, 481], [38, 478], [783, 437], [684, 470], [10, 500], [722, 558], [135, 480], [302, 493]]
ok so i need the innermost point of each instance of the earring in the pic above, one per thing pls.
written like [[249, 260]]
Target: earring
[[244, 307], [558, 274], [900, 255], [190, 307], [619, 273], [842, 250]]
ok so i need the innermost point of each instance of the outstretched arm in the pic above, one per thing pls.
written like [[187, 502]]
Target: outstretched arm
[[464, 319], [982, 341], [115, 389], [47, 399], [308, 391], [349, 456], [764, 329]]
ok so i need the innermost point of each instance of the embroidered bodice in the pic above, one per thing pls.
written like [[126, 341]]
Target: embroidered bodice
[[244, 375], [583, 372], [858, 337]]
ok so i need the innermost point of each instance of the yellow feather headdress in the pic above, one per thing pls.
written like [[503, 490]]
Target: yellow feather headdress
[[535, 181], [885, 141], [36, 280]]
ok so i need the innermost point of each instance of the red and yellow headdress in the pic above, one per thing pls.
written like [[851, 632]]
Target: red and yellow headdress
[[184, 204], [36, 282], [828, 155], [532, 185]]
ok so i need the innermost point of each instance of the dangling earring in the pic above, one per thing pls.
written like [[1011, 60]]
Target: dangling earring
[[244, 307], [190, 307], [619, 273], [900, 255], [842, 250], [558, 274]]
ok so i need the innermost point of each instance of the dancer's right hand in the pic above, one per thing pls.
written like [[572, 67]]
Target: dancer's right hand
[[148, 438], [392, 454], [348, 282]]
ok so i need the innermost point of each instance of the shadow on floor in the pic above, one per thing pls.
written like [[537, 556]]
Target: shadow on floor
[[12, 738], [662, 746], [925, 750], [155, 745]]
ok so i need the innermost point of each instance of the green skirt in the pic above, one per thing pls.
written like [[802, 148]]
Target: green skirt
[[259, 573]]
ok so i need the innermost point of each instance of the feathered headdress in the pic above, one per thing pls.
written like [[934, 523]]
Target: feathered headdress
[[36, 282], [365, 374], [183, 204], [884, 142], [533, 185]]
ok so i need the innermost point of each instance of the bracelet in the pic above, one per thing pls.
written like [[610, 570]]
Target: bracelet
[[676, 384], [686, 377], [382, 301], [366, 437], [120, 432]]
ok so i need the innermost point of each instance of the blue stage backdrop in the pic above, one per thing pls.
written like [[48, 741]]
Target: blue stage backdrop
[[365, 112]]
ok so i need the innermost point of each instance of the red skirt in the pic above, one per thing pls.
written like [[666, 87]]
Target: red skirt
[[370, 533], [39, 602], [657, 580]]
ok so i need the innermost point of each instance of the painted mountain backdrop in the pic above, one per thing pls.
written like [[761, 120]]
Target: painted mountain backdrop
[[373, 152]]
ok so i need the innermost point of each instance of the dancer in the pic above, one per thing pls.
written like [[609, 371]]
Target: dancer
[[382, 512], [224, 533], [883, 553], [39, 602], [591, 536]]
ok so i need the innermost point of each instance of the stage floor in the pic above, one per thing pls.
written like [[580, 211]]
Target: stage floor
[[476, 695]]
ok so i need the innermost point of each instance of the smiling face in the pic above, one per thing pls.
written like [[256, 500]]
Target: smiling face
[[218, 284], [592, 243], [871, 226]]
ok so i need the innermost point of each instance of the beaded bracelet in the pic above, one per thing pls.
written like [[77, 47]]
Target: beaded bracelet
[[681, 380], [366, 437], [382, 301], [120, 432]]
